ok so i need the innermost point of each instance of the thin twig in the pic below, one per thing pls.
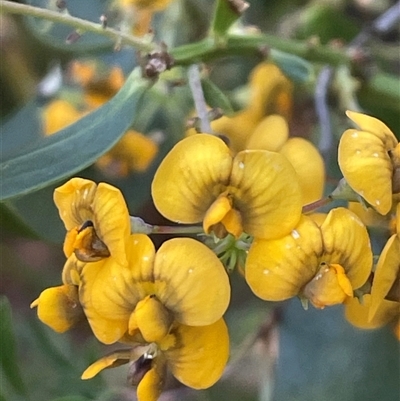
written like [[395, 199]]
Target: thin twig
[[198, 97], [381, 24], [78, 23], [322, 110]]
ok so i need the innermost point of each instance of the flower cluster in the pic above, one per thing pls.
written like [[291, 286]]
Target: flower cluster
[[167, 306], [254, 195]]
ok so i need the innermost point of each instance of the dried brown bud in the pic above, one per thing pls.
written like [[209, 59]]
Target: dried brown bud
[[158, 62]]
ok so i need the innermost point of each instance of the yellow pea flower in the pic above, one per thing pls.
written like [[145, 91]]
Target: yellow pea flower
[[134, 152], [270, 93], [255, 191], [321, 263], [96, 218], [272, 133], [196, 356], [99, 87], [59, 307], [184, 281], [369, 160]]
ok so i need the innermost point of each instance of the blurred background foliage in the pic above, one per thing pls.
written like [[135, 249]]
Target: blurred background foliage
[[279, 353]]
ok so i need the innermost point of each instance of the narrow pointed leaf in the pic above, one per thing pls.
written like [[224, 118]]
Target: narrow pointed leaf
[[53, 158]]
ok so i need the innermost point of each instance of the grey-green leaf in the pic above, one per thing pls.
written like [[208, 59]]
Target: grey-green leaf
[[59, 156], [8, 354]]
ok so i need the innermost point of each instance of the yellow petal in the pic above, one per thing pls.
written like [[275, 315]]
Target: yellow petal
[[111, 220], [375, 126], [358, 313], [199, 359], [278, 269], [72, 270], [309, 166], [386, 273], [270, 134], [369, 216], [190, 178], [73, 200], [346, 242], [106, 310], [59, 114], [216, 212], [191, 282], [365, 163], [59, 307], [237, 128], [80, 200], [221, 213], [150, 387], [266, 192], [112, 360], [152, 319], [271, 91], [110, 292], [329, 287]]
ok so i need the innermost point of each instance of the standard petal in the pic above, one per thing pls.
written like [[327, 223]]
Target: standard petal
[[200, 356], [266, 192], [386, 273], [278, 269], [365, 163], [309, 166], [270, 134], [74, 200], [191, 177], [191, 282], [375, 126], [59, 307], [111, 220], [346, 242]]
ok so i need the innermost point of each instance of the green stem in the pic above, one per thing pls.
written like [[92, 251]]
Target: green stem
[[256, 45], [9, 7], [311, 207]]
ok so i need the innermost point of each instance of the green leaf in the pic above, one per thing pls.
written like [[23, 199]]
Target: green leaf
[[70, 150], [322, 357], [226, 13], [215, 97], [16, 134], [8, 354], [71, 398], [294, 67], [12, 222]]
